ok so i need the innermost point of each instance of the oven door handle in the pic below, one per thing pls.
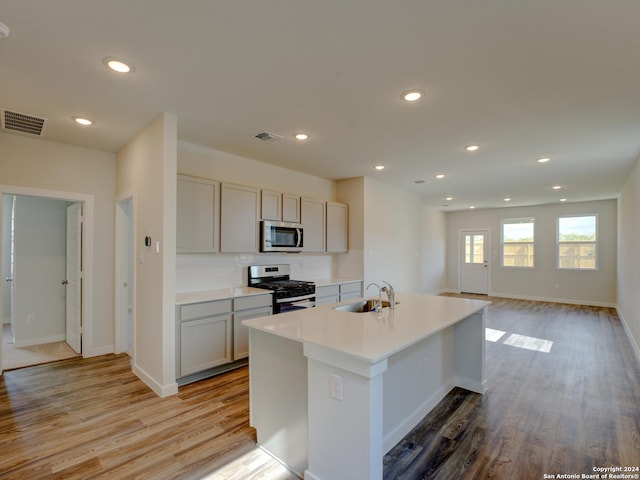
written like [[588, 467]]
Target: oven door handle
[[295, 299]]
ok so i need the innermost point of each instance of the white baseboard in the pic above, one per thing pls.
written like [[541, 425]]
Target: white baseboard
[[471, 385], [570, 301], [41, 340], [160, 390], [634, 344]]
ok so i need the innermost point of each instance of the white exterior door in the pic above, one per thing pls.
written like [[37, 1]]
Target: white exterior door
[[74, 276], [474, 271]]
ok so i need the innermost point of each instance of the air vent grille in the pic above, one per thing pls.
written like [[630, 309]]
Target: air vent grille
[[268, 136], [23, 123]]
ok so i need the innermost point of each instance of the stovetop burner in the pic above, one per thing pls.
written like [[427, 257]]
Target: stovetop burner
[[276, 278]]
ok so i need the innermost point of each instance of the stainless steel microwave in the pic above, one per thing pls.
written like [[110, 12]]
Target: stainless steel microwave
[[280, 237]]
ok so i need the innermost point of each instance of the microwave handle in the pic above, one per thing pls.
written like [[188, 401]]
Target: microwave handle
[[299, 242]]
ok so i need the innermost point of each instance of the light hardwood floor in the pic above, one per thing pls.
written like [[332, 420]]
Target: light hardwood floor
[[564, 411]]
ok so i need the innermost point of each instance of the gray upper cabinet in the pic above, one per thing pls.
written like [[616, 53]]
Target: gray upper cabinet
[[280, 206], [336, 227], [198, 210], [271, 205], [312, 213], [239, 213], [290, 208]]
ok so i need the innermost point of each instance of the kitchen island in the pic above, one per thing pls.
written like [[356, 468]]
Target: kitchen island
[[332, 391]]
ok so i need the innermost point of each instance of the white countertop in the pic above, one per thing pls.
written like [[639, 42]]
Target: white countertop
[[370, 336], [184, 298]]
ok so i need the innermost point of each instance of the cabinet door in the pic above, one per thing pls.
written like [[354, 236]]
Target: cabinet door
[[197, 215], [239, 206], [205, 343], [312, 214], [336, 227], [271, 205], [290, 208], [241, 333]]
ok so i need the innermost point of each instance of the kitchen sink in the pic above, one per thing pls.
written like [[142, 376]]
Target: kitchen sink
[[361, 306]]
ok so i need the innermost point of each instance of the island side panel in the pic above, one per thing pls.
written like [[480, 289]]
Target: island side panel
[[470, 353], [278, 397], [345, 435], [416, 380]]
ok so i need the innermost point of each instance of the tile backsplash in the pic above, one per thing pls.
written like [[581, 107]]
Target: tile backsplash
[[196, 272]]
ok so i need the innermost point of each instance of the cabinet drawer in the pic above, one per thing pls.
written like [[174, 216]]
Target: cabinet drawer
[[327, 290], [252, 301], [205, 309], [351, 287], [327, 300]]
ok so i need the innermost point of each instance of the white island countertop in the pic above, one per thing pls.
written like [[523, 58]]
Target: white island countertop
[[370, 336]]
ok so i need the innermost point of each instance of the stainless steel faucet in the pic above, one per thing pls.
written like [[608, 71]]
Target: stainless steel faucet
[[379, 304], [391, 294]]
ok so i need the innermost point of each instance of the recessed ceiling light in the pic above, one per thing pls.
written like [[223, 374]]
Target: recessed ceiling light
[[543, 160], [507, 199], [379, 167], [449, 199], [471, 148], [557, 187], [82, 121], [301, 136], [472, 207], [563, 199], [118, 65], [440, 176], [412, 95]]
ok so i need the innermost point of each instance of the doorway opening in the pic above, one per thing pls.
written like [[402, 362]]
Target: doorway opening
[[45, 295]]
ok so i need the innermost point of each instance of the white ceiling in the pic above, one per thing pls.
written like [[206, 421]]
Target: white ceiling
[[522, 79]]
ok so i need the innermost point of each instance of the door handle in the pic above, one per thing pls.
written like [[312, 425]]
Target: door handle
[[8, 279], [65, 282]]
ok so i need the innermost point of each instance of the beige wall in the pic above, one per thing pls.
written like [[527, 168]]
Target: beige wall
[[544, 281], [433, 248], [147, 169], [39, 164], [629, 256], [392, 236]]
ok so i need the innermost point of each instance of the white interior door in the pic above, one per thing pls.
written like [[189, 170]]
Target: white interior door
[[474, 271], [124, 279], [74, 277]]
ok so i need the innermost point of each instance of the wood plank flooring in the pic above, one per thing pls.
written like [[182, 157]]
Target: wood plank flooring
[[565, 411], [92, 418]]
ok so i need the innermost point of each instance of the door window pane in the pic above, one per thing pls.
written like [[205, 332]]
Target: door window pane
[[474, 249]]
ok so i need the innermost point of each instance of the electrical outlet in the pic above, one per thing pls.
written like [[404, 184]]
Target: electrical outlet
[[31, 318], [335, 386]]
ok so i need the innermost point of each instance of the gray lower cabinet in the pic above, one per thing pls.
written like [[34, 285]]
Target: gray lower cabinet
[[244, 308], [350, 290], [338, 292], [205, 336], [210, 335], [327, 294]]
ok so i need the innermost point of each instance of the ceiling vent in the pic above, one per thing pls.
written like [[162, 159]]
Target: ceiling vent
[[23, 123], [268, 136]]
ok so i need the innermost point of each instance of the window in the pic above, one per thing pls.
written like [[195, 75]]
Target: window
[[474, 248], [517, 242], [577, 242]]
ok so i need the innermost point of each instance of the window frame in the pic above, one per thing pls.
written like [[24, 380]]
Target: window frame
[[517, 220], [595, 243]]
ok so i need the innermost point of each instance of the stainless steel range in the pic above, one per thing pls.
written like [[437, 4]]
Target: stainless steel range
[[288, 294]]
